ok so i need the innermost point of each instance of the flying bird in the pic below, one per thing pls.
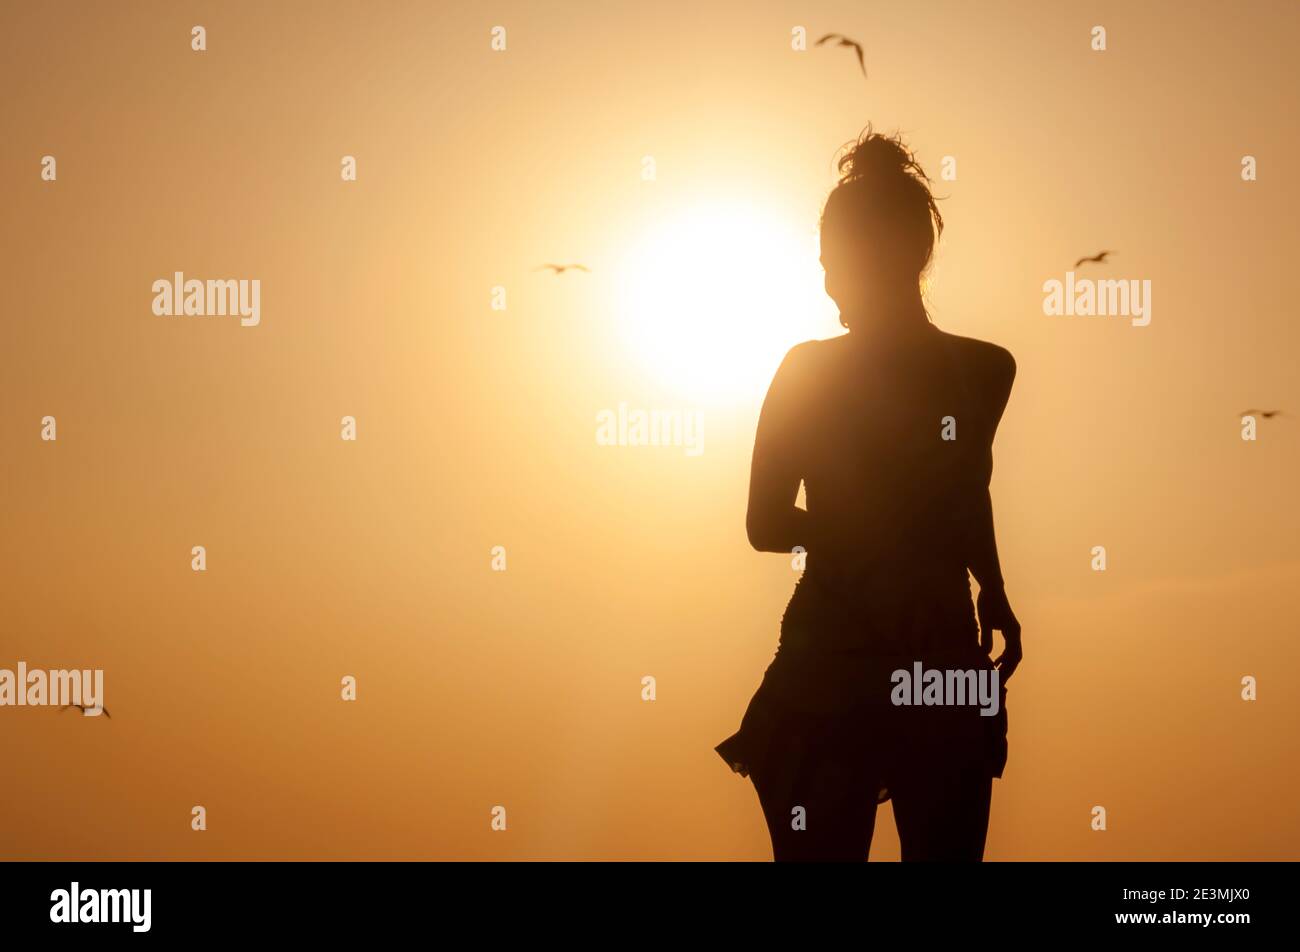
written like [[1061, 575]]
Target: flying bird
[[1098, 258], [82, 709], [561, 268], [843, 40], [1266, 414]]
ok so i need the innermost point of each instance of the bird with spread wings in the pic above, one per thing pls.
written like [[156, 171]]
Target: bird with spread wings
[[1098, 258], [842, 40]]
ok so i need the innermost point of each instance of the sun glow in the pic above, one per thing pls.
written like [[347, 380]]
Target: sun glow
[[713, 297]]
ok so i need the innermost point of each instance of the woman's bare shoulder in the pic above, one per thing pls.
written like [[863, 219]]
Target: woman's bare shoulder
[[810, 356], [988, 361], [810, 349]]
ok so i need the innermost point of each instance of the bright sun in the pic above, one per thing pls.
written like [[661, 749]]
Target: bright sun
[[713, 297]]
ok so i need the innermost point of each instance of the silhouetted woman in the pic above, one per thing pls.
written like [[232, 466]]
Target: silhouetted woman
[[890, 428]]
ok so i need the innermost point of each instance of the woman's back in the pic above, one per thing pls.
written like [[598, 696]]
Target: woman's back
[[893, 444]]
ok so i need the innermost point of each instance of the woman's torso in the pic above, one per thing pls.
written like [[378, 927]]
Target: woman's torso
[[892, 447]]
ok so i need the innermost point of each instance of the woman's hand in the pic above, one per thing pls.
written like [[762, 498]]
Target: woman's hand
[[995, 612]]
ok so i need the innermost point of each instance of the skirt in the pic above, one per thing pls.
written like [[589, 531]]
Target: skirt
[[862, 708]]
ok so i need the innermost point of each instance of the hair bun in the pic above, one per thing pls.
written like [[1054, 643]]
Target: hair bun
[[874, 157], [883, 190]]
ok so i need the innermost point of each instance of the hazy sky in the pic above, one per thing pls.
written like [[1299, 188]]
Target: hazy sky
[[477, 426]]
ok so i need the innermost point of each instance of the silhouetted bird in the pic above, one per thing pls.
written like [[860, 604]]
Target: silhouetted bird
[[82, 709], [1098, 258], [843, 40], [561, 268], [1266, 414]]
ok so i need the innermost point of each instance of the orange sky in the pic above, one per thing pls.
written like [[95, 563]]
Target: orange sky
[[476, 427]]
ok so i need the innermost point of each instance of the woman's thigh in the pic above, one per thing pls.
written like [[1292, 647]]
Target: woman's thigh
[[818, 807], [943, 815]]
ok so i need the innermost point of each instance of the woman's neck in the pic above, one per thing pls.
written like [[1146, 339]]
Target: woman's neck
[[888, 325]]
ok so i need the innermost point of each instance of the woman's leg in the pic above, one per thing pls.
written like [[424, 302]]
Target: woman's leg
[[838, 802], [943, 815]]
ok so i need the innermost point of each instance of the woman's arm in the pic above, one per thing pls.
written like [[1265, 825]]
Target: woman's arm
[[992, 607], [773, 522], [983, 553], [996, 374]]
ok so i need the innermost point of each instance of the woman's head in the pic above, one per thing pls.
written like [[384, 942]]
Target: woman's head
[[878, 229]]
